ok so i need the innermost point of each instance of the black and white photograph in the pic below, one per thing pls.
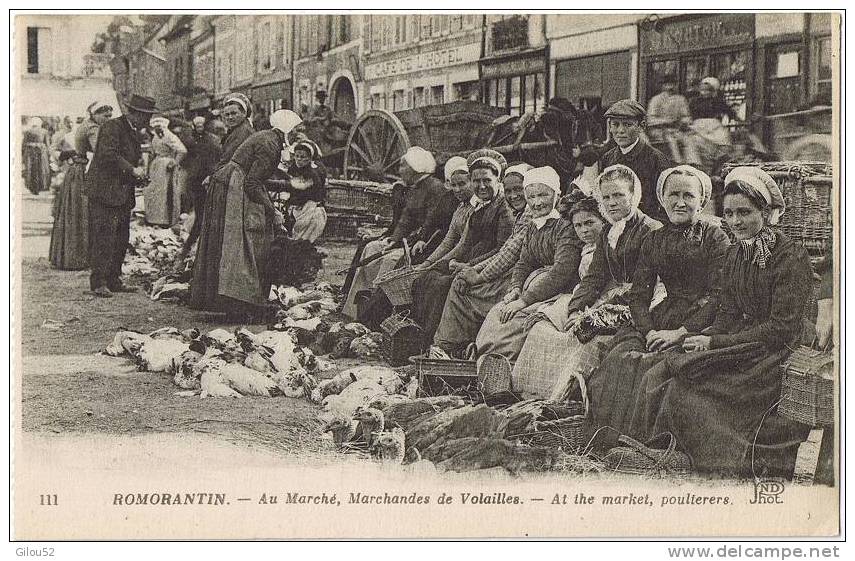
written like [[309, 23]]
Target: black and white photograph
[[425, 275]]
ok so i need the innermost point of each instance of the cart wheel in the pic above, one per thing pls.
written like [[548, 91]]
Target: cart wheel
[[375, 146], [810, 148]]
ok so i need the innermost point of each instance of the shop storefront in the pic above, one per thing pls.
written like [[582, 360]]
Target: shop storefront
[[694, 47], [595, 81], [273, 96], [415, 79], [517, 82]]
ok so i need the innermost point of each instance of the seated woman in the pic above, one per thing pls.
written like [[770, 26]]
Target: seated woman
[[487, 223], [306, 189], [426, 213], [541, 364], [478, 286], [718, 396], [548, 265], [687, 255]]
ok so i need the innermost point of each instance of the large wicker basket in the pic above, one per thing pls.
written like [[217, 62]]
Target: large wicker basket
[[446, 376], [398, 283], [568, 433], [807, 190], [402, 338], [807, 387]]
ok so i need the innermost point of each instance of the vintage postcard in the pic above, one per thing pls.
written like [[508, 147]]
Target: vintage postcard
[[426, 275]]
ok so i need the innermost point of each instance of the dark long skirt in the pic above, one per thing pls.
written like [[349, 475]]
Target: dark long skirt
[[614, 385], [69, 241], [36, 168], [430, 290], [230, 274], [720, 405]]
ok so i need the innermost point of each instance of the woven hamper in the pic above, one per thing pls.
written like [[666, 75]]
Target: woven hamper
[[397, 284], [568, 433], [402, 338], [807, 387], [446, 376]]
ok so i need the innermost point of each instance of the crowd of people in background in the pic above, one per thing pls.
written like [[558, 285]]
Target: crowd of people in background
[[511, 260]]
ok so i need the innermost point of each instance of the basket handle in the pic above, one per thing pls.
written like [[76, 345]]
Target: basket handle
[[583, 386], [643, 449], [407, 253]]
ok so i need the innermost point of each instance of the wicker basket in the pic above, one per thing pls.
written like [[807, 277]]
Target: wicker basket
[[398, 283], [494, 373], [360, 197], [640, 459], [446, 376], [807, 189], [347, 198], [402, 338], [807, 387], [343, 226], [568, 433]]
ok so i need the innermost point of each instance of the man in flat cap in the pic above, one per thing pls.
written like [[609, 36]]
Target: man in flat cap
[[110, 183], [626, 120]]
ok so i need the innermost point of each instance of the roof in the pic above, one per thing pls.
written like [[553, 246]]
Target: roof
[[184, 24]]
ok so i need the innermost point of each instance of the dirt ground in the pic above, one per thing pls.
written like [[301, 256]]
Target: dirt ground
[[70, 389]]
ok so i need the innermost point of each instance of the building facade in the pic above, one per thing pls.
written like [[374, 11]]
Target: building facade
[[515, 63], [593, 58], [272, 88], [328, 57], [54, 80], [202, 64], [179, 64], [418, 59]]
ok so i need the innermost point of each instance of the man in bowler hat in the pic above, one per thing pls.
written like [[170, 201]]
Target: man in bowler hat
[[114, 173]]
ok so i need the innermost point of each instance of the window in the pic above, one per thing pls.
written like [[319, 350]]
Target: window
[[783, 79], [466, 91], [339, 30], [731, 69], [418, 97], [456, 23], [265, 54], [400, 30], [32, 50], [398, 102], [39, 50], [516, 94], [824, 71], [437, 95]]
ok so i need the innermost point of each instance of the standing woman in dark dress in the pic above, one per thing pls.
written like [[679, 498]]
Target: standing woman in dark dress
[[35, 157], [69, 241], [230, 269], [719, 398], [687, 255], [236, 112]]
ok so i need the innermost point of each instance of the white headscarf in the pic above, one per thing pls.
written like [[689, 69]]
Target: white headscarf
[[544, 176], [706, 183], [159, 121], [420, 160], [285, 120], [712, 81], [764, 184], [453, 165], [35, 122], [618, 227], [518, 169]]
